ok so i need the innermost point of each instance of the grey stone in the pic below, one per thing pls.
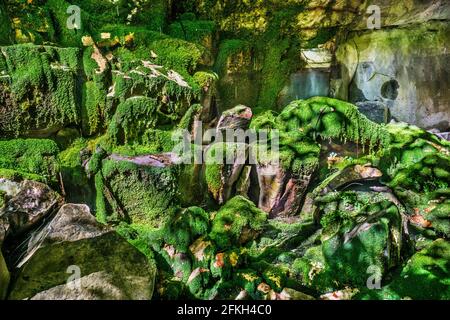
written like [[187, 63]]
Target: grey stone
[[110, 268]]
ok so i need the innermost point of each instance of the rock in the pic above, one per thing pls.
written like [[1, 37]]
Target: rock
[[237, 74], [281, 191], [30, 205], [140, 189], [317, 57], [425, 276], [381, 65], [305, 84], [345, 294], [237, 118], [236, 223], [4, 277], [291, 294], [110, 268], [369, 239], [224, 164], [375, 111]]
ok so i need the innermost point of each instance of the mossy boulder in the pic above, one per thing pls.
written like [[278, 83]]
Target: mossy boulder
[[236, 223], [38, 89], [362, 235], [425, 276], [138, 193], [224, 164], [417, 168]]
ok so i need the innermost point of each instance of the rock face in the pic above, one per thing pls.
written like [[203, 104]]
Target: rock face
[[110, 268], [280, 191], [31, 202], [380, 66]]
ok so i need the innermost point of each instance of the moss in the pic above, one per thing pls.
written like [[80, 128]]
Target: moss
[[71, 164], [227, 49], [93, 111], [30, 158], [65, 36], [326, 118], [185, 227], [5, 26], [425, 277], [132, 118], [150, 142], [188, 119], [146, 195], [41, 94], [205, 79], [192, 30], [236, 223], [213, 176], [179, 55], [100, 201]]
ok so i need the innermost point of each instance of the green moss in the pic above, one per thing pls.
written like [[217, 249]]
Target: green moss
[[330, 118], [227, 49], [185, 227], [100, 201], [146, 195], [93, 109], [192, 30], [237, 222], [30, 158], [71, 165], [41, 93], [179, 55], [5, 26], [132, 118], [425, 276]]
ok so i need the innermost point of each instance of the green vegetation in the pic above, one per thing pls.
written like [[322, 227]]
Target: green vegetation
[[41, 92], [33, 159]]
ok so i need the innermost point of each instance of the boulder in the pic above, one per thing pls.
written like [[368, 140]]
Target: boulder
[[4, 277], [27, 107], [236, 223], [281, 190], [424, 277], [238, 117], [224, 164], [374, 110], [30, 203], [75, 257], [139, 189], [363, 237]]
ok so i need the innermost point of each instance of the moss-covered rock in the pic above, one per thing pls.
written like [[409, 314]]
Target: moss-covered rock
[[34, 159], [425, 276], [138, 193], [38, 89], [236, 223]]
